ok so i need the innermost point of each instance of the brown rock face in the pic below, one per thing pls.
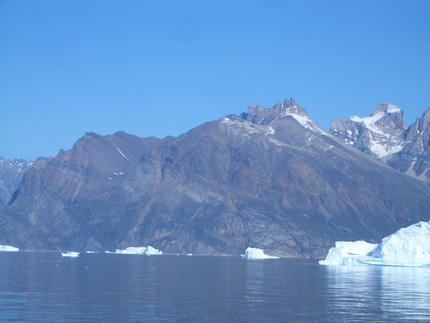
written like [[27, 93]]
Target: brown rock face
[[269, 178]]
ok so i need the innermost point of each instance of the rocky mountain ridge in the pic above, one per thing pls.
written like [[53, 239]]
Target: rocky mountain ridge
[[268, 178]]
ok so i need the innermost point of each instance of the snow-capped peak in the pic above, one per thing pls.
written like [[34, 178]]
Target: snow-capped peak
[[386, 108], [380, 134]]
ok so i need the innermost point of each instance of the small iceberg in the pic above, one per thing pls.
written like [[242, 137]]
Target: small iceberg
[[70, 254], [255, 253], [8, 248], [138, 251], [408, 246]]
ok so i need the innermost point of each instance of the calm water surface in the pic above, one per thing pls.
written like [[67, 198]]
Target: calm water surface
[[45, 287]]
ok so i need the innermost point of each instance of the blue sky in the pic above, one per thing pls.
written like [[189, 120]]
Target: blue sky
[[158, 68]]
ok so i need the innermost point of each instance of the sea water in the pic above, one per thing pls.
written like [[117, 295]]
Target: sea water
[[45, 287]]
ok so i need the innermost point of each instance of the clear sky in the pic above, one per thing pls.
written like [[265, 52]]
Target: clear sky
[[158, 68]]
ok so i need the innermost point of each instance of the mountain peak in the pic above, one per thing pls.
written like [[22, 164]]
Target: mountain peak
[[379, 135], [260, 115], [386, 108]]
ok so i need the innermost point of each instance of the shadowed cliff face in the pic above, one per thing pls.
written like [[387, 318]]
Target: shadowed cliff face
[[269, 178]]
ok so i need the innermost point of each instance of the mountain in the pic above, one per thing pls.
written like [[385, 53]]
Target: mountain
[[268, 178], [414, 158], [384, 136], [11, 172], [379, 135]]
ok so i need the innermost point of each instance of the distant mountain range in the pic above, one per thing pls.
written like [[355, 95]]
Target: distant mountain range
[[268, 178]]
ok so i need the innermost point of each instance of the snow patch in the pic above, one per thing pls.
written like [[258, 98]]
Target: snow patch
[[384, 150], [392, 108], [369, 122], [304, 121], [227, 120], [122, 154], [407, 247], [255, 253], [8, 248], [270, 131]]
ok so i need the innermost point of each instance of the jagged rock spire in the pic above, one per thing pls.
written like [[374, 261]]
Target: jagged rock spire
[[260, 115]]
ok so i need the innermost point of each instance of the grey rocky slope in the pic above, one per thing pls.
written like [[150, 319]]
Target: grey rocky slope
[[269, 178], [11, 172]]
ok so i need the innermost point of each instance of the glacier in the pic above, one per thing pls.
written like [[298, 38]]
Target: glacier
[[8, 248], [255, 253], [408, 246], [138, 251]]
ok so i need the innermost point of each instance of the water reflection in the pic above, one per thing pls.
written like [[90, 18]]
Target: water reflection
[[284, 290], [406, 292], [119, 288], [396, 294], [254, 282]]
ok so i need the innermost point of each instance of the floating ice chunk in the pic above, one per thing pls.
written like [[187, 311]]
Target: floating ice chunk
[[348, 253], [255, 253], [70, 254], [139, 251], [8, 248], [407, 247]]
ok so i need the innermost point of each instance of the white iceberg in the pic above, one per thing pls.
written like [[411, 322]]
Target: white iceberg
[[407, 247], [8, 248], [255, 253], [70, 254], [139, 251]]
